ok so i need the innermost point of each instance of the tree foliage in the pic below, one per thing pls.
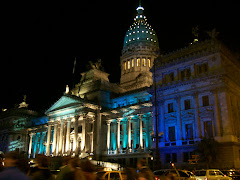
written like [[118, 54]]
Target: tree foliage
[[208, 150]]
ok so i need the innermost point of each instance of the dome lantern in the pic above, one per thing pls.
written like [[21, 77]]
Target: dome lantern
[[140, 30]]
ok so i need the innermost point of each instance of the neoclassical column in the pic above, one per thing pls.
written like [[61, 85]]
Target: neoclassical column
[[118, 133], [179, 121], [129, 133], [68, 136], [30, 145], [197, 118], [83, 132], [76, 118], [161, 121], [141, 131], [108, 133], [48, 139], [217, 117], [54, 146], [61, 136], [35, 145], [91, 141], [41, 142]]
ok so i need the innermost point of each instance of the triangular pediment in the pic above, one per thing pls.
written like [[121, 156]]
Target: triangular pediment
[[64, 102]]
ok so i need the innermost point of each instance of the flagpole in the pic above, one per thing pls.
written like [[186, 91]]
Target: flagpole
[[74, 66]]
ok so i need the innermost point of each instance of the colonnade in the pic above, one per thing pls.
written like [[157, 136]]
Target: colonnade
[[62, 137], [128, 131]]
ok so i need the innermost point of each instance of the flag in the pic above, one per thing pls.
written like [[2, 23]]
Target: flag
[[74, 65]]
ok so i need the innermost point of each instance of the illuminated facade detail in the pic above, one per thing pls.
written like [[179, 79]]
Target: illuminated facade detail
[[138, 62], [13, 124], [129, 64], [149, 63], [195, 100], [139, 76]]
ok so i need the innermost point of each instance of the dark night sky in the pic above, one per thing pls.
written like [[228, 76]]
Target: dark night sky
[[41, 40]]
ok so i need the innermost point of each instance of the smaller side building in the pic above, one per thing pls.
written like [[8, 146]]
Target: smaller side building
[[198, 95], [13, 125]]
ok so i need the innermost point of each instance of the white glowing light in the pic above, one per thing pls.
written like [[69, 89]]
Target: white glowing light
[[140, 8]]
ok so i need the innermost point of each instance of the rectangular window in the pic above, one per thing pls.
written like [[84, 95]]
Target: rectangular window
[[149, 63], [171, 157], [79, 129], [208, 129], [125, 66], [189, 131], [174, 157], [205, 67], [188, 73], [132, 62], [171, 133], [185, 157], [205, 100], [182, 75], [170, 107], [129, 64], [171, 76], [138, 62], [199, 69], [144, 62], [168, 158], [187, 104]]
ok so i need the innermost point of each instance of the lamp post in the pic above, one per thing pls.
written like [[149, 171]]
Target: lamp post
[[157, 162]]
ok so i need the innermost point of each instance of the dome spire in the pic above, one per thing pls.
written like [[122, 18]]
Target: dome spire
[[140, 9]]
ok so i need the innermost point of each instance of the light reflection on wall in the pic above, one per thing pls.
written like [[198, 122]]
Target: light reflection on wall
[[16, 144]]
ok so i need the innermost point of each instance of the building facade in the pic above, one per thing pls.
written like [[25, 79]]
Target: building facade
[[198, 93], [111, 122]]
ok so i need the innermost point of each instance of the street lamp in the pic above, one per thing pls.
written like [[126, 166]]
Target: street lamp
[[157, 162]]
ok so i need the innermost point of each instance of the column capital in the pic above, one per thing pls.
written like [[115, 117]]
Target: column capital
[[119, 119], [140, 116], [130, 118], [31, 134], [109, 121], [151, 114]]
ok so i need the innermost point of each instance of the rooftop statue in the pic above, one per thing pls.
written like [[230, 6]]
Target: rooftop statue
[[97, 65], [213, 34]]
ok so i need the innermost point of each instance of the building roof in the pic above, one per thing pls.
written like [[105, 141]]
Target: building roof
[[140, 30]]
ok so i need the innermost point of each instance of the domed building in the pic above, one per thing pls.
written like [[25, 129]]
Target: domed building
[[140, 48], [103, 120]]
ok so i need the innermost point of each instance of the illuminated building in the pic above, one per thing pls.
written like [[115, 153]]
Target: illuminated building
[[101, 119], [13, 125], [198, 95]]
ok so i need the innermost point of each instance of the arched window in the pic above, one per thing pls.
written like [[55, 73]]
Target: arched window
[[129, 64], [144, 62], [138, 62], [132, 62], [149, 62]]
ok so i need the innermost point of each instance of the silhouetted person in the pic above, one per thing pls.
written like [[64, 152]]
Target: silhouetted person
[[129, 174], [65, 169], [75, 171], [42, 173], [11, 172], [144, 172], [88, 169]]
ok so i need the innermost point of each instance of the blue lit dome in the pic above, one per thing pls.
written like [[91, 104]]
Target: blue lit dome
[[140, 31]]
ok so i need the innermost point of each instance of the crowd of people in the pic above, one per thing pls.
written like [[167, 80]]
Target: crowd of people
[[13, 166]]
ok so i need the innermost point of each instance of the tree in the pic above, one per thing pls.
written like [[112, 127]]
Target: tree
[[208, 150]]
